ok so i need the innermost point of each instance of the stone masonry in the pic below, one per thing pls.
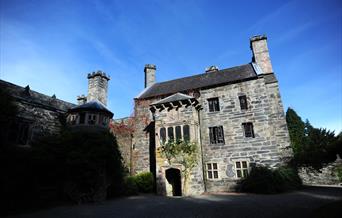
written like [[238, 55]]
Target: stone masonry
[[220, 165]]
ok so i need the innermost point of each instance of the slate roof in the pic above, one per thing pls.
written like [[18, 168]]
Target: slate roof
[[173, 98], [91, 106], [35, 98], [221, 77]]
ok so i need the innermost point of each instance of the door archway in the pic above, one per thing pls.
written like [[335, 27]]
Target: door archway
[[173, 176]]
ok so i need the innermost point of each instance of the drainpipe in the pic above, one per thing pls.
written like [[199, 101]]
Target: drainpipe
[[200, 138]]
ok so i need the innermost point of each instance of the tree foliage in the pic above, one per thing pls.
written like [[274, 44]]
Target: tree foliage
[[311, 146], [181, 152]]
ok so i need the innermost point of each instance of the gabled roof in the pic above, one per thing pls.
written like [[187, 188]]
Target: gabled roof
[[220, 77], [91, 106], [32, 97], [175, 97]]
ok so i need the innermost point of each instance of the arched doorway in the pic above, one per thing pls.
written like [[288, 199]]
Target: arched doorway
[[173, 176]]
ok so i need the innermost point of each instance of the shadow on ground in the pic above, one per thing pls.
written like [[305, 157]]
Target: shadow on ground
[[309, 202]]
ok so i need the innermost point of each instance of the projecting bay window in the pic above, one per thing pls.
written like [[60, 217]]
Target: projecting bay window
[[170, 133], [162, 134], [174, 131], [216, 135], [248, 130], [213, 104], [178, 133], [243, 102], [212, 171], [241, 168], [186, 133]]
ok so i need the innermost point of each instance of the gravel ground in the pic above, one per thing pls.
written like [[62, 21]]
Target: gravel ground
[[303, 203]]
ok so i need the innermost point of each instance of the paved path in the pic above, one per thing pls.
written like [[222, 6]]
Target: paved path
[[296, 204]]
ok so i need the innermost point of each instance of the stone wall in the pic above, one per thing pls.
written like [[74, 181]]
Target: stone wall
[[327, 175], [270, 146], [141, 142], [265, 111], [172, 118]]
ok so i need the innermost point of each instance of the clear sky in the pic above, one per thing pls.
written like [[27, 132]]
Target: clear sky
[[52, 45]]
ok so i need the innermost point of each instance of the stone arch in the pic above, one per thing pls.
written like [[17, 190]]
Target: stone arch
[[173, 177]]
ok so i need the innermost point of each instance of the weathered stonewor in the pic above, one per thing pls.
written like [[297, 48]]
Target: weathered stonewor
[[38, 114], [327, 175]]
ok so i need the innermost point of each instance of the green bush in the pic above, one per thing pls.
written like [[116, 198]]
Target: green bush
[[338, 171], [263, 180], [144, 182], [130, 186]]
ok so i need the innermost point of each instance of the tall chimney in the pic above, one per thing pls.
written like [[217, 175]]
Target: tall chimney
[[261, 55], [81, 99], [150, 75], [98, 86]]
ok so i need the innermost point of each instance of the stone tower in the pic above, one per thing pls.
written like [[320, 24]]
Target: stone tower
[[150, 74], [261, 55], [98, 87]]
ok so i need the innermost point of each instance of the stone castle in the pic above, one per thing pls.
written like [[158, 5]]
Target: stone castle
[[235, 116]]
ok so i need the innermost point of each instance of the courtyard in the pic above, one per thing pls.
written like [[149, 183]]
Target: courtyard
[[308, 202]]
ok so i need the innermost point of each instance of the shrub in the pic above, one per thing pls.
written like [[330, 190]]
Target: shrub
[[263, 180], [144, 182], [338, 171], [130, 186]]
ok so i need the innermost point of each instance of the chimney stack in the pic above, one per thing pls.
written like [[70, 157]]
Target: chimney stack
[[150, 75], [81, 99], [261, 55], [98, 86]]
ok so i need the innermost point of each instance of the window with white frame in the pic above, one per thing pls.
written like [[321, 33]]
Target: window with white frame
[[73, 119], [212, 171], [241, 168]]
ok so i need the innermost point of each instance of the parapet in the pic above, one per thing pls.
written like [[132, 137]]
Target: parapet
[[98, 73]]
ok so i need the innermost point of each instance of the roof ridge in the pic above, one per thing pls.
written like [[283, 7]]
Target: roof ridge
[[198, 75], [31, 90]]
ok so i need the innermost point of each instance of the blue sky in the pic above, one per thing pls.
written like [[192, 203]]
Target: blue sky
[[52, 45]]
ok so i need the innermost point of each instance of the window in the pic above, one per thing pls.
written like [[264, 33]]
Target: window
[[212, 171], [243, 102], [82, 118], [170, 133], [248, 129], [241, 168], [216, 135], [91, 119], [213, 104], [104, 120], [186, 133], [178, 133], [163, 135], [73, 119], [19, 132]]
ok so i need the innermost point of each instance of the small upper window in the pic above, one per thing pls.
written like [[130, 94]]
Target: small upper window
[[243, 102], [213, 104], [241, 168], [248, 129], [216, 135], [212, 171]]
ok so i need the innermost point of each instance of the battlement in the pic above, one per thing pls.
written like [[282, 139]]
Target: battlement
[[98, 73]]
